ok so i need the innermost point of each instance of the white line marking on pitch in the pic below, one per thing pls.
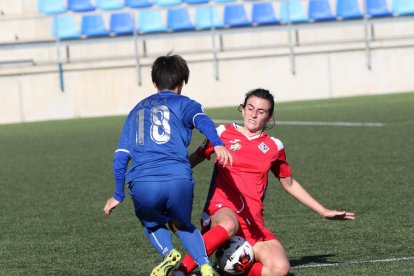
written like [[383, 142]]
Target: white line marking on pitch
[[357, 262], [310, 123]]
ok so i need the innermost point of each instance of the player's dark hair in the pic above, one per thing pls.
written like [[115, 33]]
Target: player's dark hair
[[261, 93], [169, 72]]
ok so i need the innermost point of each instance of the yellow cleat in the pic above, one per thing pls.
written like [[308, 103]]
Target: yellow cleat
[[170, 262], [207, 270]]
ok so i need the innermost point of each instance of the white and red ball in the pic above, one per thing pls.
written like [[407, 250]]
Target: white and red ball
[[235, 256]]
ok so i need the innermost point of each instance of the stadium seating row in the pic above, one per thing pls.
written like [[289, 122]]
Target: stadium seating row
[[234, 15], [51, 7], [373, 7]]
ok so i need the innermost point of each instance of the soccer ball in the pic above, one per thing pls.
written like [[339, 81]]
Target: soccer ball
[[235, 256]]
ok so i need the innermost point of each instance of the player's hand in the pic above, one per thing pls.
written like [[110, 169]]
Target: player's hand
[[111, 203], [223, 156], [339, 215]]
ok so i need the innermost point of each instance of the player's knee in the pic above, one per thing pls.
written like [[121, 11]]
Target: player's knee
[[227, 219], [280, 268], [230, 225]]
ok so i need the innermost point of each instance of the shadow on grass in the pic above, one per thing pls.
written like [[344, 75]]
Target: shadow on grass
[[317, 259]]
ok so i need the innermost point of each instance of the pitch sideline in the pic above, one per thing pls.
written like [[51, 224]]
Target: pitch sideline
[[309, 123], [357, 262]]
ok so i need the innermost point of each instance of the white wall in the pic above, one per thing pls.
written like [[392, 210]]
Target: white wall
[[27, 94], [114, 91]]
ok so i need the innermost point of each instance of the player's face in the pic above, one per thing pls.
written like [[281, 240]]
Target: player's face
[[256, 114]]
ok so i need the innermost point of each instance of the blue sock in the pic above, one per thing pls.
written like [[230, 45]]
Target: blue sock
[[160, 238], [193, 242]]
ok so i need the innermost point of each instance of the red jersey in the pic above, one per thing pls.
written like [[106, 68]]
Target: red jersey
[[242, 186], [252, 159]]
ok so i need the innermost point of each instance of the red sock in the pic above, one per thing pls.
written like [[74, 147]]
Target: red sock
[[213, 238], [256, 269]]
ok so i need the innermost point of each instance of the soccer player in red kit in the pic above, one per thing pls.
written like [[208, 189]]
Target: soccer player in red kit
[[235, 201]]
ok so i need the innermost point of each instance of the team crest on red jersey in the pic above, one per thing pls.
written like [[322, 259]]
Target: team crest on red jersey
[[235, 147], [263, 147]]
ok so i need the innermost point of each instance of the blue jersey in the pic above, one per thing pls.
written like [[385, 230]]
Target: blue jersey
[[156, 134], [155, 137]]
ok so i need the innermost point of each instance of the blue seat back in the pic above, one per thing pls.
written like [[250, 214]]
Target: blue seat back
[[179, 20], [348, 9], [296, 12], [93, 25], [121, 23], [224, 1], [65, 27], [109, 4], [235, 16], [195, 2], [137, 4], [403, 7], [320, 10], [263, 13], [50, 7], [150, 21], [80, 5], [377, 8], [203, 19], [167, 3]]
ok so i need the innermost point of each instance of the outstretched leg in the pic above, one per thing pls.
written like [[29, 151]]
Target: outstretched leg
[[272, 257]]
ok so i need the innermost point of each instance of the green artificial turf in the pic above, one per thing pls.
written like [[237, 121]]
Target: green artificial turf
[[56, 176]]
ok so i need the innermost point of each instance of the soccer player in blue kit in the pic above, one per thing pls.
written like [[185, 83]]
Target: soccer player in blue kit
[[155, 138]]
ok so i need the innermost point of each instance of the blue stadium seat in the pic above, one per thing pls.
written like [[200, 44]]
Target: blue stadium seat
[[403, 7], [296, 12], [138, 4], [121, 23], [179, 20], [196, 2], [50, 7], [377, 8], [150, 21], [109, 4], [80, 5], [224, 1], [320, 10], [167, 3], [65, 27], [93, 25], [203, 18], [348, 9], [263, 14], [235, 16]]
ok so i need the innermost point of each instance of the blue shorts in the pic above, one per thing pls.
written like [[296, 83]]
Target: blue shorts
[[156, 203]]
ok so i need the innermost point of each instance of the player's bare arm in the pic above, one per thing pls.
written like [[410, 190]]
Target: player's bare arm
[[223, 156], [294, 188], [111, 203], [196, 158], [339, 215]]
